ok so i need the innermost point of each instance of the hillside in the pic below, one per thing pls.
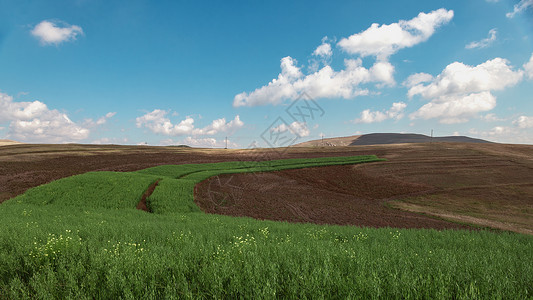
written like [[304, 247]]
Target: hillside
[[387, 138], [8, 142]]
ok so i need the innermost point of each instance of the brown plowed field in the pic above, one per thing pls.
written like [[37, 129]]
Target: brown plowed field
[[342, 195], [485, 184]]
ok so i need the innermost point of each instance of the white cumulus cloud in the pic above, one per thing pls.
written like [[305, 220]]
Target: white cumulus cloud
[[395, 112], [524, 122], [49, 32], [324, 83], [299, 128], [35, 122], [379, 40], [324, 50], [456, 108], [417, 78], [520, 7], [458, 78], [484, 42], [462, 91], [158, 122], [528, 67], [219, 125], [384, 40]]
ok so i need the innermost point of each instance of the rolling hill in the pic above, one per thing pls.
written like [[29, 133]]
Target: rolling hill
[[387, 138], [8, 142]]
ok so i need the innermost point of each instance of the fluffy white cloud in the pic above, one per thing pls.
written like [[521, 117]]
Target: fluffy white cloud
[[458, 78], [157, 122], [298, 128], [324, 50], [462, 91], [484, 42], [381, 41], [520, 7], [528, 67], [51, 33], [456, 108], [523, 122], [417, 78], [395, 112], [324, 83], [219, 125], [384, 40], [34, 122]]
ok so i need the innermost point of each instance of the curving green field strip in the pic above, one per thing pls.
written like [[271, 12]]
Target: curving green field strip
[[62, 241], [112, 190], [175, 191]]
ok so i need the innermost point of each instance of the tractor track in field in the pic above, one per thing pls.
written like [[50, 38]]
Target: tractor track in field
[[143, 205]]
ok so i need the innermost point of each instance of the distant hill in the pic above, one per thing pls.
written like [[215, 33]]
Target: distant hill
[[9, 142], [387, 138]]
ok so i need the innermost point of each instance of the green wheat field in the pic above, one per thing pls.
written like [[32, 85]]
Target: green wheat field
[[82, 237]]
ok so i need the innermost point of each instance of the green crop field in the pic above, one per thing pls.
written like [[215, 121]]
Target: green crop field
[[81, 237]]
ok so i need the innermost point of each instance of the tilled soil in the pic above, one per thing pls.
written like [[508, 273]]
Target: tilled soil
[[342, 195]]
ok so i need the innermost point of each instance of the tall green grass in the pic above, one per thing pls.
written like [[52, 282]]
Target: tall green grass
[[94, 189], [86, 252]]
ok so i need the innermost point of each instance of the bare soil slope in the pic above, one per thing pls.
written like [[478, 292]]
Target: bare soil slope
[[8, 142]]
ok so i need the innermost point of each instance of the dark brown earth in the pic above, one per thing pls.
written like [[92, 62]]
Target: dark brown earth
[[342, 195], [484, 184], [142, 204]]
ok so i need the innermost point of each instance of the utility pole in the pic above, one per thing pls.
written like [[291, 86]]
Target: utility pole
[[226, 143], [322, 140]]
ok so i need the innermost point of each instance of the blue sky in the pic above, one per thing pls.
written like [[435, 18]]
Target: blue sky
[[194, 72]]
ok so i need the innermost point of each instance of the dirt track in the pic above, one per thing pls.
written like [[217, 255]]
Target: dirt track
[[486, 184]]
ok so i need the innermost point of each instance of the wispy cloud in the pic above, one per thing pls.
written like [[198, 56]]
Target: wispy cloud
[[520, 7], [484, 42], [100, 121]]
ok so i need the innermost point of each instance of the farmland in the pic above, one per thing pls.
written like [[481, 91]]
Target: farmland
[[82, 245]]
